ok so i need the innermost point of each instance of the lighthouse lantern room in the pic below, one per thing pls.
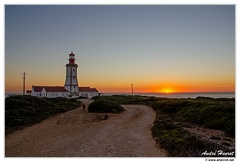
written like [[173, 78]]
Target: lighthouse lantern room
[[71, 83]]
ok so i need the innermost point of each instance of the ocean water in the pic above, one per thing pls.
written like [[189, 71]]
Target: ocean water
[[169, 95], [182, 95]]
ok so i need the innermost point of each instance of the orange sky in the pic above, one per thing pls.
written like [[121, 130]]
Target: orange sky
[[188, 49], [169, 89], [112, 84], [11, 86]]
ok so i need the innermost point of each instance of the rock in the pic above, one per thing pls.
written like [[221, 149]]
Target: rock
[[105, 117]]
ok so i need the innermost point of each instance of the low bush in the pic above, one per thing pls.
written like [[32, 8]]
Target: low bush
[[179, 142], [103, 106], [21, 111], [208, 112], [123, 99]]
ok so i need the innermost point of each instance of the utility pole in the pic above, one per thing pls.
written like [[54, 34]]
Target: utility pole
[[24, 82], [132, 88]]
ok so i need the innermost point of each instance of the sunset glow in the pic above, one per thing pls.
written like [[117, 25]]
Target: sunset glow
[[157, 48], [166, 90]]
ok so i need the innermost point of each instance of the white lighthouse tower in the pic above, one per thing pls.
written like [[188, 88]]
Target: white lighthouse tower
[[71, 83]]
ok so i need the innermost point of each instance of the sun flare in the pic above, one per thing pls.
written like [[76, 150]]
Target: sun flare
[[166, 90]]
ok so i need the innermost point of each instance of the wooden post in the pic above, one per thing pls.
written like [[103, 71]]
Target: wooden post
[[24, 74], [132, 88]]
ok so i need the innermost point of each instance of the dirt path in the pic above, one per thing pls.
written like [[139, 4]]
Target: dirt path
[[76, 133]]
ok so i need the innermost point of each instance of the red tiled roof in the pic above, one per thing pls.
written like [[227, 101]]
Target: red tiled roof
[[37, 88], [62, 89], [87, 89], [55, 89], [49, 89]]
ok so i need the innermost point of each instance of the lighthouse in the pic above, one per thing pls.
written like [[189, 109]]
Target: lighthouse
[[71, 83], [70, 88]]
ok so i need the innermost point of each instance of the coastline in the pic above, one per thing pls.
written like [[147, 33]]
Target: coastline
[[181, 95], [167, 95]]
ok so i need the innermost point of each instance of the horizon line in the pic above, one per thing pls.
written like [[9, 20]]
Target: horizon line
[[144, 92], [174, 92]]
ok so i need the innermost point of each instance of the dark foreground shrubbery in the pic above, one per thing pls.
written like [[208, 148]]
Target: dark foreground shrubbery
[[208, 112], [212, 113], [123, 99], [181, 143], [21, 111], [102, 106]]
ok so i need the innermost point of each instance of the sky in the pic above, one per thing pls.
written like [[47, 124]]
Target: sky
[[157, 48]]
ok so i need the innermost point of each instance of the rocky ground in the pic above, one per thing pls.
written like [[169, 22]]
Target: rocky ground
[[211, 135]]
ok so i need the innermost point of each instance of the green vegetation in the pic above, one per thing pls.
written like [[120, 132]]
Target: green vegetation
[[179, 142], [21, 111], [209, 112], [103, 106], [122, 99]]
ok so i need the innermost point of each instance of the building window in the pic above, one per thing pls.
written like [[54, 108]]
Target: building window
[[73, 77]]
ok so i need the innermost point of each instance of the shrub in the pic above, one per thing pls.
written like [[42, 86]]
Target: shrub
[[172, 105], [17, 122], [230, 127], [21, 111], [208, 112], [215, 137], [124, 99], [179, 142], [102, 106]]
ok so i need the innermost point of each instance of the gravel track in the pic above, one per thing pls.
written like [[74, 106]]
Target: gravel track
[[78, 133]]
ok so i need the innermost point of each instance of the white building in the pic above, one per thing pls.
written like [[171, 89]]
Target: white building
[[49, 91], [88, 92], [70, 88]]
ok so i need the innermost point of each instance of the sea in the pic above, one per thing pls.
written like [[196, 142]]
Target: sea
[[181, 95], [168, 95]]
